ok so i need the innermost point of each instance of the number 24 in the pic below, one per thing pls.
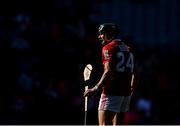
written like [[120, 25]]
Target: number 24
[[129, 64]]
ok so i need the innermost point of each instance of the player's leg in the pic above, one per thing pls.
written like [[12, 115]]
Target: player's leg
[[101, 117], [109, 106], [115, 119], [107, 117], [120, 118], [123, 109]]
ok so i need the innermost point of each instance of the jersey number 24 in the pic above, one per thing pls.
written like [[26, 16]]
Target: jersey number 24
[[124, 64]]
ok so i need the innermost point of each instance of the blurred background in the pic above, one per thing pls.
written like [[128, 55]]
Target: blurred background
[[46, 44]]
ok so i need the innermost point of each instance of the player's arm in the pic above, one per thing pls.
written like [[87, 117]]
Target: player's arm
[[106, 53], [135, 78], [105, 76]]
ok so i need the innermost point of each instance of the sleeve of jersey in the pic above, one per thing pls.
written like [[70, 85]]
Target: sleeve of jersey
[[106, 54]]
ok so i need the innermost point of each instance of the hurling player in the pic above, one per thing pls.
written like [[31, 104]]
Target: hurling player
[[116, 81]]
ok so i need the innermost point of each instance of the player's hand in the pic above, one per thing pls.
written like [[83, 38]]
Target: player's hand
[[90, 91]]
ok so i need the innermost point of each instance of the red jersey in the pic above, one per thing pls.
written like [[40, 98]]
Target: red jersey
[[121, 61]]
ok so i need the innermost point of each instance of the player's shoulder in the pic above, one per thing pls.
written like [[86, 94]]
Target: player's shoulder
[[124, 47], [112, 44], [116, 40]]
